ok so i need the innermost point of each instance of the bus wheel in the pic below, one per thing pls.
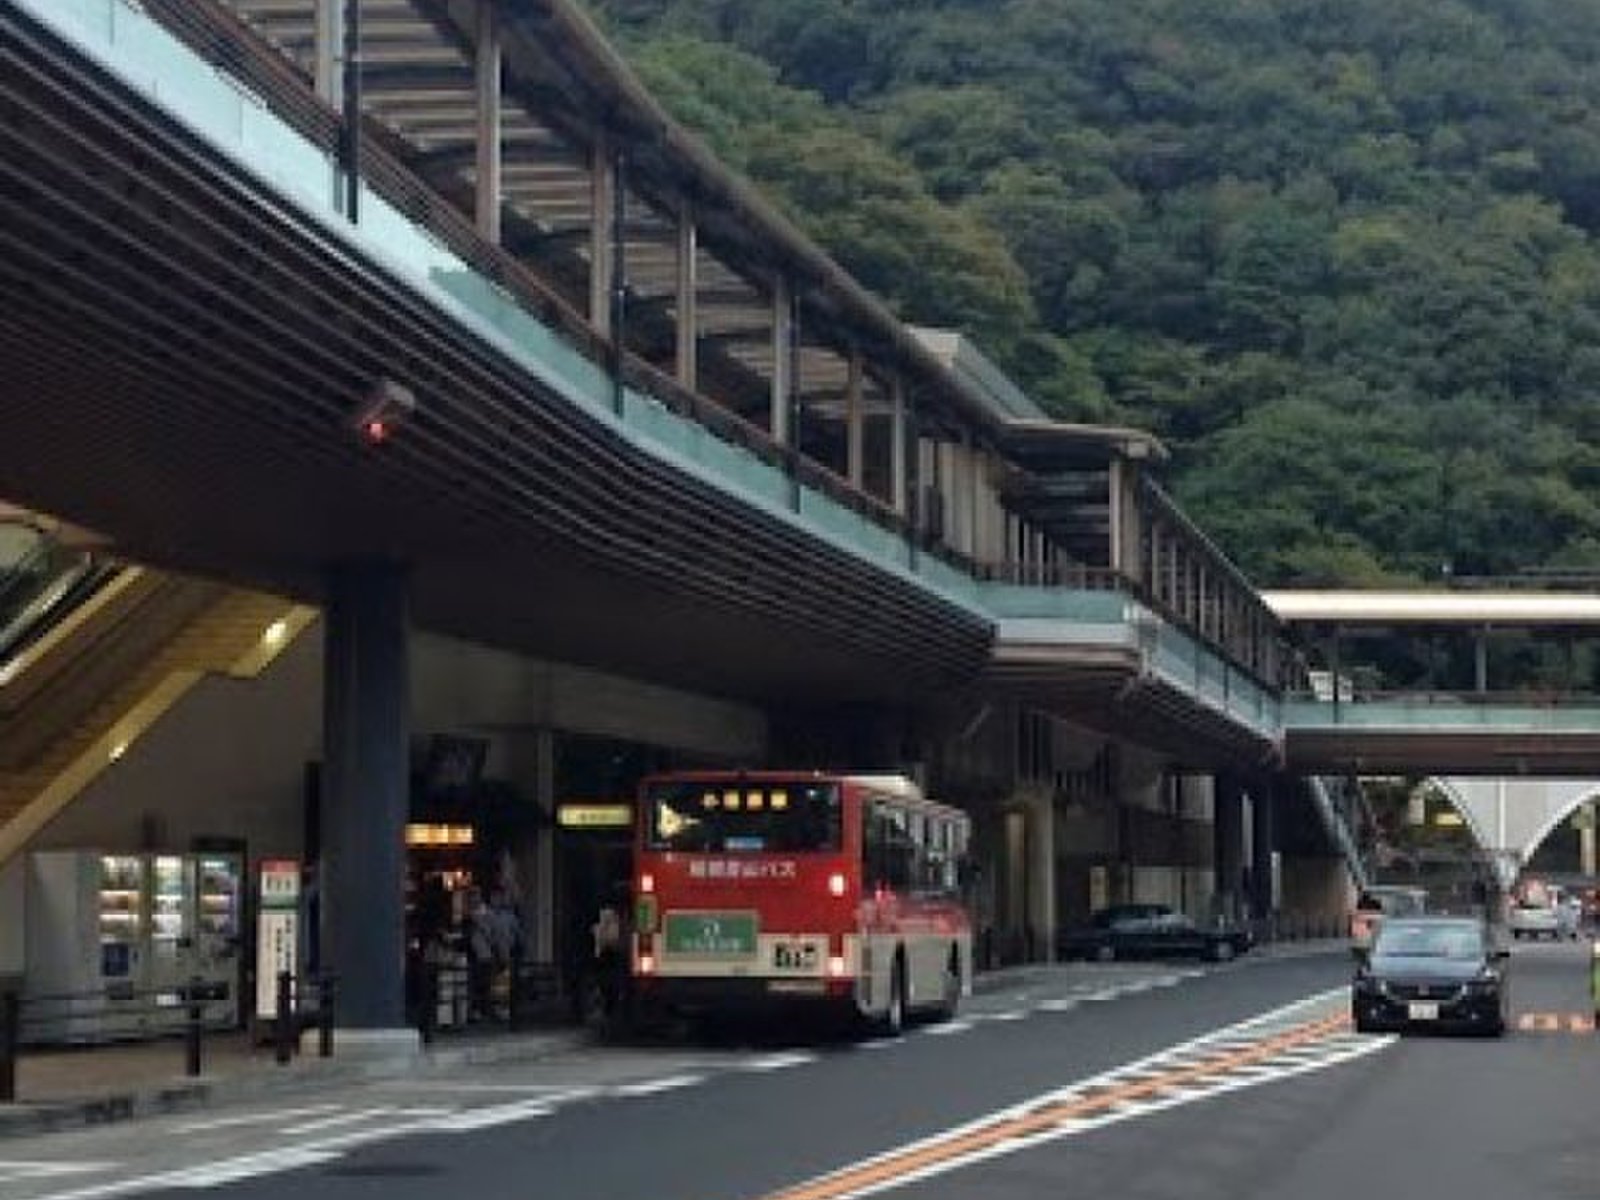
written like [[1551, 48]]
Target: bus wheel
[[950, 999], [894, 1017]]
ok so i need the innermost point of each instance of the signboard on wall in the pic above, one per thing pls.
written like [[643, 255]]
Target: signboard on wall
[[277, 930], [588, 815], [1099, 888]]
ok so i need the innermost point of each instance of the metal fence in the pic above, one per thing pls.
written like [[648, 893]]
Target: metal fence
[[188, 1011]]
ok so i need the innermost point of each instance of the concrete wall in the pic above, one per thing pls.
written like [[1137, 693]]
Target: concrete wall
[[458, 686], [1316, 887]]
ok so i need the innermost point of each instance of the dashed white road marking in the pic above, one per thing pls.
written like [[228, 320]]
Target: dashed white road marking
[[345, 1118], [18, 1169], [777, 1062], [257, 1118], [1064, 1004], [649, 1087], [949, 1027]]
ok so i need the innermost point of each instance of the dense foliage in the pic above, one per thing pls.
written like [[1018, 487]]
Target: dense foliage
[[1339, 253]]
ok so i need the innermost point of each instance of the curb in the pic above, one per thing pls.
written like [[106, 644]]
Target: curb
[[188, 1095]]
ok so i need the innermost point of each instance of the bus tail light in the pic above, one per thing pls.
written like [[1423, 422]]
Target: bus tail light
[[836, 884], [647, 883], [838, 966], [647, 964]]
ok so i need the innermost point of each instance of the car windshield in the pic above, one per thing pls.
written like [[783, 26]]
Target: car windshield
[[1415, 940]]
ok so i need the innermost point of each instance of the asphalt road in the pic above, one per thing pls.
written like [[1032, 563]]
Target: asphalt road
[[1126, 1081]]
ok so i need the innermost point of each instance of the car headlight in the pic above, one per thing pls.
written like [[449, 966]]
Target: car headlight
[[1486, 980]]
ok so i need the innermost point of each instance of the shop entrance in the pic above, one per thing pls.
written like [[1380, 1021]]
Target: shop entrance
[[596, 782]]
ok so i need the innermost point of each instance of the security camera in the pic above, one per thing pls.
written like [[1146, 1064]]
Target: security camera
[[383, 410]]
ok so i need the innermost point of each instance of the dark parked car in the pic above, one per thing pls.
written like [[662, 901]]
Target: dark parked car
[[1150, 931], [1438, 972]]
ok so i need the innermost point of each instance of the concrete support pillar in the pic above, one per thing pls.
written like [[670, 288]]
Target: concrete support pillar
[[1228, 845], [487, 69], [1263, 841], [602, 238], [366, 718], [543, 934], [1042, 877], [782, 416], [899, 435], [328, 37], [969, 499], [1115, 515], [688, 304], [855, 441]]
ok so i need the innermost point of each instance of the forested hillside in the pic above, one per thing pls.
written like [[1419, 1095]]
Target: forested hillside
[[1339, 253]]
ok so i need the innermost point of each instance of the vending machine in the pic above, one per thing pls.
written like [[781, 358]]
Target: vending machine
[[86, 933], [217, 932], [115, 940]]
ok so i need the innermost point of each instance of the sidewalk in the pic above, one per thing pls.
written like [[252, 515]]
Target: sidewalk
[[70, 1087]]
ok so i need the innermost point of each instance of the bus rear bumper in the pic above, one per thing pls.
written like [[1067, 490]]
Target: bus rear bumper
[[691, 994]]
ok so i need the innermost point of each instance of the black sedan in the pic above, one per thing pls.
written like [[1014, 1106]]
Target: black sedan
[[1150, 931], [1432, 972]]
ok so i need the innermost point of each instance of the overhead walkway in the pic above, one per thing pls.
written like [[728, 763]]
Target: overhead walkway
[[625, 403]]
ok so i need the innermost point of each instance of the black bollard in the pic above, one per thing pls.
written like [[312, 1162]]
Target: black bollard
[[428, 1016], [191, 1033], [325, 1017], [514, 997], [283, 1025], [10, 1035]]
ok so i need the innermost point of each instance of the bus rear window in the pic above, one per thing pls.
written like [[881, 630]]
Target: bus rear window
[[727, 818]]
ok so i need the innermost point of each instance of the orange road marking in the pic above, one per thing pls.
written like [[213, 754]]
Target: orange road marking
[[1053, 1114]]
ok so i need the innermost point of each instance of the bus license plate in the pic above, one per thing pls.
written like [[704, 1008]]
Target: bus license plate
[[711, 934], [795, 956], [1420, 1010]]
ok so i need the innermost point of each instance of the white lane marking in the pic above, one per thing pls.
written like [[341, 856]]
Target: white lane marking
[[346, 1118], [515, 1089], [650, 1087], [1064, 1004], [254, 1118], [16, 1169], [777, 1062], [883, 1043], [243, 1166], [1006, 1016], [1228, 1039], [491, 1115], [949, 1027]]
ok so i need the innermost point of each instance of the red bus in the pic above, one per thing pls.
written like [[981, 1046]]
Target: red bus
[[844, 890]]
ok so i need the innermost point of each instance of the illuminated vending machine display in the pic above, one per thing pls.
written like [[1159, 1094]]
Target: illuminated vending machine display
[[121, 922], [216, 935], [167, 964]]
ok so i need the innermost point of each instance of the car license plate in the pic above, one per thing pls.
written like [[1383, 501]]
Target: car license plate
[[1419, 1010]]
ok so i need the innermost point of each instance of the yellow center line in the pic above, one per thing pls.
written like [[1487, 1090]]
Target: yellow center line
[[1054, 1114]]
